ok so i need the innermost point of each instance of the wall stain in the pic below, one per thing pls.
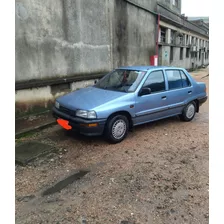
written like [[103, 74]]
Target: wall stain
[[121, 32], [65, 22]]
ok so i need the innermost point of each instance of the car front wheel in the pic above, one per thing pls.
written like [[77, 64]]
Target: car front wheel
[[117, 128], [188, 112]]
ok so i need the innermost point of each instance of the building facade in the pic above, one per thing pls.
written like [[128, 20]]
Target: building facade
[[63, 45], [181, 42]]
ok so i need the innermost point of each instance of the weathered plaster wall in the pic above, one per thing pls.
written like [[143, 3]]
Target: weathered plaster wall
[[61, 37], [39, 99], [171, 6], [133, 36]]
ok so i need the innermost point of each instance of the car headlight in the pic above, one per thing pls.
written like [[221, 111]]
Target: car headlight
[[57, 105], [86, 114]]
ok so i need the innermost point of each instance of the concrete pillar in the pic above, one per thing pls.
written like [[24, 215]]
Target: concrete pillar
[[168, 36]]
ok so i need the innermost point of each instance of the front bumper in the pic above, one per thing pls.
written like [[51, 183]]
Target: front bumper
[[202, 100], [81, 124]]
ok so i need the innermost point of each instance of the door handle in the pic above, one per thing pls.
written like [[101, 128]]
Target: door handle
[[189, 92], [163, 97]]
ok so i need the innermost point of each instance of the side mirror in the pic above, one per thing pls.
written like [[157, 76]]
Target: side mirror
[[144, 91]]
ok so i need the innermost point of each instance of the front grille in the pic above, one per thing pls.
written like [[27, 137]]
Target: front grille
[[67, 111]]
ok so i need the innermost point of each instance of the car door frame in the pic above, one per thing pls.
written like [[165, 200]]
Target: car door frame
[[176, 108], [158, 110]]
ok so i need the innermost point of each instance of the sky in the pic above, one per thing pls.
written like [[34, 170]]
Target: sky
[[195, 8]]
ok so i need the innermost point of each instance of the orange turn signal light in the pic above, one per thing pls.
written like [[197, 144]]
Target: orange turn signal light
[[64, 124], [93, 125], [90, 125]]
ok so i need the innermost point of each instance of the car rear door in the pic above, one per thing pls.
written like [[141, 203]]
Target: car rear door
[[179, 90]]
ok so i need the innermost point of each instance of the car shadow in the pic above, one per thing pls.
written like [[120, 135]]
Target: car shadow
[[63, 135]]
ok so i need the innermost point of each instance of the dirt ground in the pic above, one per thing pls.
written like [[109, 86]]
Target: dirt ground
[[158, 174]]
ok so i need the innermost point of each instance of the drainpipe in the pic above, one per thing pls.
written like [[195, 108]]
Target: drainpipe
[[157, 39]]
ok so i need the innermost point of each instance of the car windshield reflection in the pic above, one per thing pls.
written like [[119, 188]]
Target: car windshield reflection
[[121, 80]]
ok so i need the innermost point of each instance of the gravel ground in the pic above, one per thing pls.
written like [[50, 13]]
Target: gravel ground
[[158, 174]]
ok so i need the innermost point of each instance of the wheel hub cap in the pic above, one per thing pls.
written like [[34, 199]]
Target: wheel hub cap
[[118, 129], [190, 111]]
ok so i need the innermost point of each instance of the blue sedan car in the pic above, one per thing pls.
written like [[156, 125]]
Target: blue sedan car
[[130, 96]]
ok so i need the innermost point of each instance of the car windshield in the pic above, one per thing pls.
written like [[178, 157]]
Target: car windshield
[[121, 80]]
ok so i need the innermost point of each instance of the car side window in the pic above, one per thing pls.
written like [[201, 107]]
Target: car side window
[[155, 82], [174, 79], [185, 80]]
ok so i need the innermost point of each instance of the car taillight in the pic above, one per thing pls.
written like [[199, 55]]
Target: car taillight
[[205, 89]]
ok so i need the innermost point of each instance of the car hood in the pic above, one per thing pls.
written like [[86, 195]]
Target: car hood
[[88, 98]]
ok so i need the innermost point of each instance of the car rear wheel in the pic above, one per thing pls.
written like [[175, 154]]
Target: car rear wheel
[[117, 128], [188, 112]]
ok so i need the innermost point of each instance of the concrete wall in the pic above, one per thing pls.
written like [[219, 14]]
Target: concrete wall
[[184, 63], [169, 4], [134, 35], [164, 55], [57, 38], [149, 4], [39, 99]]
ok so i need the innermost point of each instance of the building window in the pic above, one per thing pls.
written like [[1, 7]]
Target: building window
[[199, 54], [187, 52], [171, 54], [181, 40], [181, 53], [187, 39], [162, 34], [206, 55], [172, 37]]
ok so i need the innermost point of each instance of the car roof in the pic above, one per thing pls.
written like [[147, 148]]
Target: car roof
[[145, 68]]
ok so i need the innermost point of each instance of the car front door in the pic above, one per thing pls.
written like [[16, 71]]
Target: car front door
[[179, 90], [151, 106]]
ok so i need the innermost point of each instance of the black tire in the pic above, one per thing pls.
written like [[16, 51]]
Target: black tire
[[119, 122], [186, 114]]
